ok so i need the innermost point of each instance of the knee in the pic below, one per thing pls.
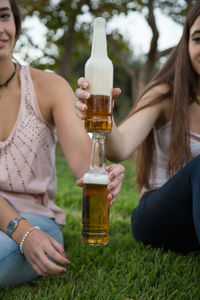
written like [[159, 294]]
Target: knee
[[134, 227], [15, 271], [14, 267], [9, 269], [195, 167], [195, 162]]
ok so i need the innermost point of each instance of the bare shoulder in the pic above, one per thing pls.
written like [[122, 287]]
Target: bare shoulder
[[52, 91], [50, 85], [163, 107], [153, 93]]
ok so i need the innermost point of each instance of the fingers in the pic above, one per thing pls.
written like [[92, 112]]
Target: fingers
[[116, 92], [37, 249], [82, 94], [115, 170], [59, 247], [82, 83], [80, 104], [44, 266], [116, 175], [79, 182]]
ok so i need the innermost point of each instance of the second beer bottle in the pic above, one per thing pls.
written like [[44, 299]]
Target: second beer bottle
[[99, 74]]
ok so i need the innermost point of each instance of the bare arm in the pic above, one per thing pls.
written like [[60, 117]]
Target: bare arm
[[8, 213], [74, 140], [36, 245], [125, 139]]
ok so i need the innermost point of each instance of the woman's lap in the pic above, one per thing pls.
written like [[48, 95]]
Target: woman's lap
[[166, 217], [14, 268]]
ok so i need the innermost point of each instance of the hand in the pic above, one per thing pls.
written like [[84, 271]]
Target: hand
[[116, 175], [83, 94], [37, 246]]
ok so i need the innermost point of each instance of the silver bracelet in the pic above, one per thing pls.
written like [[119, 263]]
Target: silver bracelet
[[25, 236]]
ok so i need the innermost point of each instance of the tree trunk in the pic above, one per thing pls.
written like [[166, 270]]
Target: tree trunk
[[68, 40]]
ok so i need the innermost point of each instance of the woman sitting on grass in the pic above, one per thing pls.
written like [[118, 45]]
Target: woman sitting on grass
[[164, 127], [33, 104]]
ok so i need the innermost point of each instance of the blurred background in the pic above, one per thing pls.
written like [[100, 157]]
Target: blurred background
[[141, 34]]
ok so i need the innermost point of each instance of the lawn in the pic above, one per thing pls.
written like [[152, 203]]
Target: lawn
[[122, 270]]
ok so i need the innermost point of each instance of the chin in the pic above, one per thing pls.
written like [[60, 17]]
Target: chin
[[197, 71]]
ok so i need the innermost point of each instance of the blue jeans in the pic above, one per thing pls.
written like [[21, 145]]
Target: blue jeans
[[169, 217], [14, 268]]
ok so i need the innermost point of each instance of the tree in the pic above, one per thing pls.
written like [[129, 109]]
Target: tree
[[144, 71], [68, 38], [64, 30]]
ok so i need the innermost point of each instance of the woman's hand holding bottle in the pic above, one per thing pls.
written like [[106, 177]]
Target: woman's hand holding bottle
[[116, 171], [82, 94]]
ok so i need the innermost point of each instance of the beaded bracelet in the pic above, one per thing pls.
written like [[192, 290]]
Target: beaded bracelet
[[25, 236]]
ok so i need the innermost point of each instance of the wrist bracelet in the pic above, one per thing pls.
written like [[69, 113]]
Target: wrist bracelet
[[25, 236]]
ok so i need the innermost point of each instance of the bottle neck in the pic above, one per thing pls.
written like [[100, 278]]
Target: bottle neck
[[98, 159], [99, 43]]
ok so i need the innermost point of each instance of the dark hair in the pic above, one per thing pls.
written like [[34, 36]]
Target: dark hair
[[17, 17], [181, 80]]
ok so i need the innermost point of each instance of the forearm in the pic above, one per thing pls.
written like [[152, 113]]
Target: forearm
[[8, 213], [116, 145]]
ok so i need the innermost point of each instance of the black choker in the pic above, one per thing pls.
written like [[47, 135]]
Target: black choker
[[5, 84]]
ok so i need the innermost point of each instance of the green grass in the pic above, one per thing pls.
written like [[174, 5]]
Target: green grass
[[122, 270]]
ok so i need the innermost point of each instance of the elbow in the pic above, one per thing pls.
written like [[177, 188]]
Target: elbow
[[114, 158], [118, 157], [81, 166]]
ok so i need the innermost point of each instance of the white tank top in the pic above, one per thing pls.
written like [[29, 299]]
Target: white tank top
[[158, 175]]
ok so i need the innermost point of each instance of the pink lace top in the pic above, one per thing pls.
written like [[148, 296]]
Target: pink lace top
[[27, 158]]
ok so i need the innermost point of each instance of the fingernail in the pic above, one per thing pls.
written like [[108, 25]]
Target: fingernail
[[64, 254], [113, 175], [68, 263], [83, 107], [84, 84], [87, 95], [64, 271], [109, 169], [111, 188]]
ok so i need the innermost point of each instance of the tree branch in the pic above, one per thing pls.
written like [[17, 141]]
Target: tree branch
[[152, 23], [165, 52], [118, 53]]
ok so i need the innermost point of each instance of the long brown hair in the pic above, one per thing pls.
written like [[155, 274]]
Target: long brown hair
[[17, 17], [181, 79]]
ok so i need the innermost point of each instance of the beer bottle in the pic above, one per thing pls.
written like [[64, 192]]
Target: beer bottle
[[95, 205], [99, 73]]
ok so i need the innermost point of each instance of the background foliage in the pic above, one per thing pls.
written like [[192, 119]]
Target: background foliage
[[68, 40]]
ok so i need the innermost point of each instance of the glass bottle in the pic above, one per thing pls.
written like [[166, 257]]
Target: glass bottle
[[95, 205], [99, 73]]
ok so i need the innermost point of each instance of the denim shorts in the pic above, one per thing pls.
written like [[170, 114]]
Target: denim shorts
[[14, 268]]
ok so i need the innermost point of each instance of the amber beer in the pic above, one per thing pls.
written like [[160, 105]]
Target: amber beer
[[98, 116], [99, 74], [95, 210]]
